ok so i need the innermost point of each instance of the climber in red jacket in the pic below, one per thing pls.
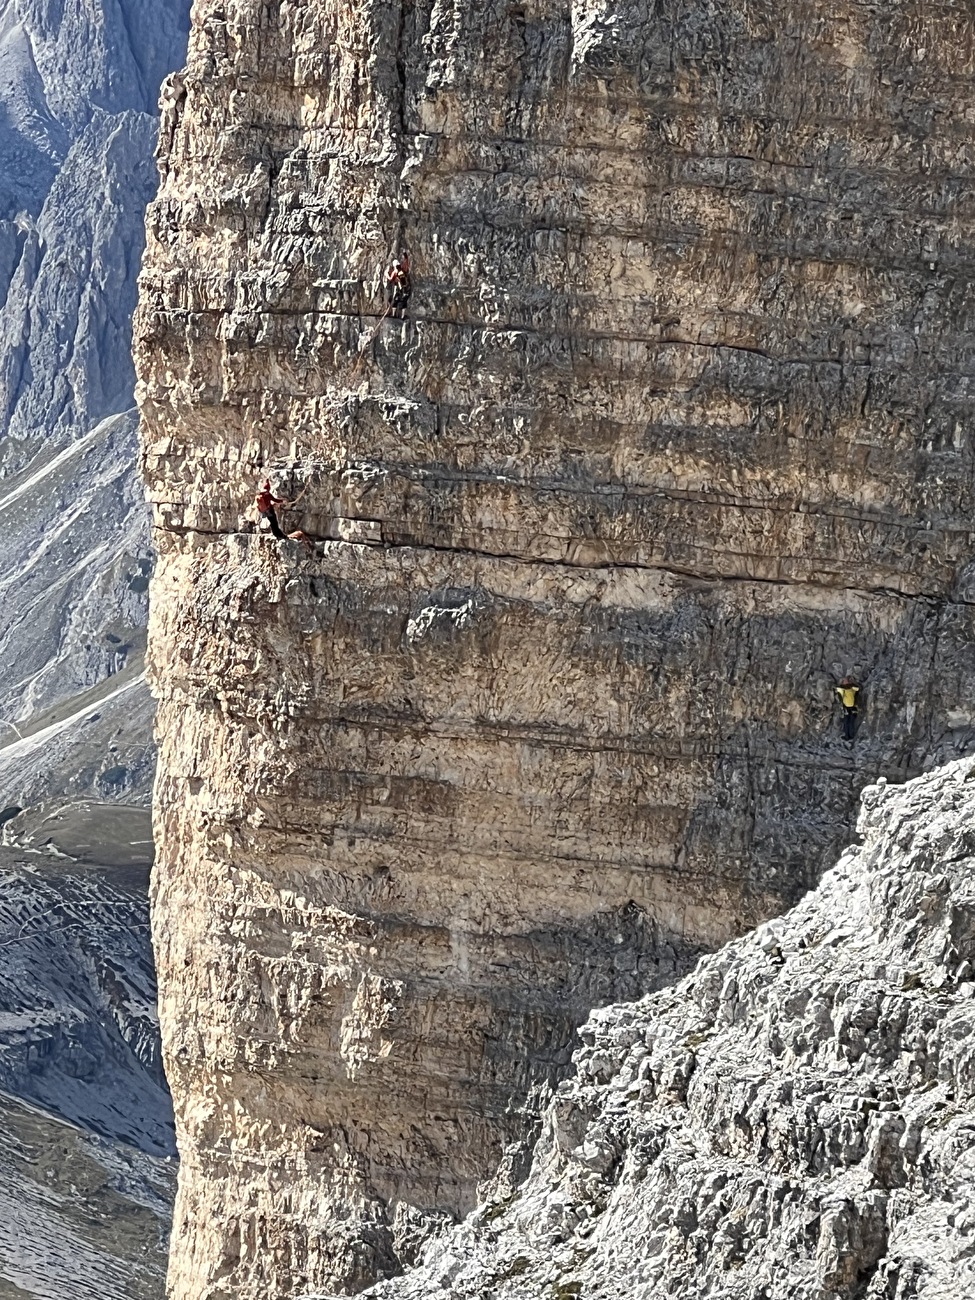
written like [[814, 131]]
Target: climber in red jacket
[[266, 503]]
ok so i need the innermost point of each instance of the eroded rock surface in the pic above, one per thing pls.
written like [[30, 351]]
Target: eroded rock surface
[[794, 1119], [673, 436]]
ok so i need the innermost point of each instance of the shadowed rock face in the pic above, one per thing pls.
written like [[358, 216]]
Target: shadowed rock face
[[673, 437], [793, 1119]]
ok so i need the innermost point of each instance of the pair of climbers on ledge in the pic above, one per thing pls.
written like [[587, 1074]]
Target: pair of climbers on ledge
[[848, 690]]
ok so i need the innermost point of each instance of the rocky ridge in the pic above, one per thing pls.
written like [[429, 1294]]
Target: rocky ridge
[[674, 435], [793, 1119]]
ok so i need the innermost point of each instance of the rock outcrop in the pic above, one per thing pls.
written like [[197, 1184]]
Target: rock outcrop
[[674, 433], [794, 1119]]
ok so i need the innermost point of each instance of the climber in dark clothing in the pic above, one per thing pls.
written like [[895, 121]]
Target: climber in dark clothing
[[399, 285], [848, 691], [266, 502]]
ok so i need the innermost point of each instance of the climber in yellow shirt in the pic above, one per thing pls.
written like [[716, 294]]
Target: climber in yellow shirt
[[848, 691]]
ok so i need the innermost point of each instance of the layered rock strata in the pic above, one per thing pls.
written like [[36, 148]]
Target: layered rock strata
[[674, 434], [792, 1120]]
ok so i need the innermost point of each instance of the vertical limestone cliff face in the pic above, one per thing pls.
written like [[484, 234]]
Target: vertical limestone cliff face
[[675, 434]]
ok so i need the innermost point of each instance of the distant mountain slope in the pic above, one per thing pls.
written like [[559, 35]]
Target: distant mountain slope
[[79, 85], [86, 1140], [82, 1219], [74, 564], [85, 1123], [78, 1032]]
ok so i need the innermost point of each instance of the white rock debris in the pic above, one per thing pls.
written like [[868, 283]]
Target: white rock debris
[[792, 1121]]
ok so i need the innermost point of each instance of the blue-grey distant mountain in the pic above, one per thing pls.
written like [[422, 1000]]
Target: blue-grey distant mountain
[[83, 1194], [79, 84]]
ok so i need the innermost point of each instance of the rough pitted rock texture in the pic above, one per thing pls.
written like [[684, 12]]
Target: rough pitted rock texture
[[675, 434], [793, 1121]]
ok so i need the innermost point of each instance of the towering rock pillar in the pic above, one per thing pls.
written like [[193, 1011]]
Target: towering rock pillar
[[675, 432]]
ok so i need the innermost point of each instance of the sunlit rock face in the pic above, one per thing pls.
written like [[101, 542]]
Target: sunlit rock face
[[673, 436]]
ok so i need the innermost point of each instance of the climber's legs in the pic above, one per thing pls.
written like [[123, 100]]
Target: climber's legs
[[272, 520], [399, 300]]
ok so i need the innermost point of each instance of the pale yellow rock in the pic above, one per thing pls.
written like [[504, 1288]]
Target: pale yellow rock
[[674, 434]]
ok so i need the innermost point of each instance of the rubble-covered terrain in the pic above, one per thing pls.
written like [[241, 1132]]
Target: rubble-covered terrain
[[86, 1144], [792, 1121]]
